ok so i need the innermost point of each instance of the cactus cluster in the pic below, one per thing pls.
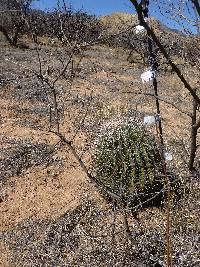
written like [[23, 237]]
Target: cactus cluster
[[128, 163]]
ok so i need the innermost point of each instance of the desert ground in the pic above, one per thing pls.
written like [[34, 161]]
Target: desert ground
[[52, 214]]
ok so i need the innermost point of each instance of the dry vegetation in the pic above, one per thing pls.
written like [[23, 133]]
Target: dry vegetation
[[51, 212]]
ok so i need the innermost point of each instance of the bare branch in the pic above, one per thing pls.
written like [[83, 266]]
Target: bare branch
[[151, 33], [197, 6], [163, 100]]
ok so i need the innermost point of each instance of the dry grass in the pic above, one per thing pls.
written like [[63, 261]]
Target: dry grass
[[49, 191]]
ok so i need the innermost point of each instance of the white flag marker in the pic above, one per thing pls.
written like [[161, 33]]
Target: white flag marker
[[149, 120], [148, 75], [139, 29], [168, 156]]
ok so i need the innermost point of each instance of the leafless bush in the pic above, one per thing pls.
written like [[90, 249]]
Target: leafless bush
[[91, 235], [66, 25], [12, 19]]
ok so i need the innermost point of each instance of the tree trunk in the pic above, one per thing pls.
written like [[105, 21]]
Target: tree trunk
[[194, 130], [5, 33]]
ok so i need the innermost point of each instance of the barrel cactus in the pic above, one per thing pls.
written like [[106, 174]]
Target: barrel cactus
[[128, 163]]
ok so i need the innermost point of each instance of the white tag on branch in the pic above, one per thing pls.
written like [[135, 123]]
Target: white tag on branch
[[168, 156], [148, 76], [139, 29], [149, 120]]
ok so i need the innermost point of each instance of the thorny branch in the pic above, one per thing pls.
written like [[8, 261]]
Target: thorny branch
[[162, 100], [163, 51], [197, 6]]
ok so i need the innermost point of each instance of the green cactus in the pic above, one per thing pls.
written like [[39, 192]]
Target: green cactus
[[127, 162]]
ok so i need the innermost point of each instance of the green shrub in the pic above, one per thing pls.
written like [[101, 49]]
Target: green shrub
[[127, 162]]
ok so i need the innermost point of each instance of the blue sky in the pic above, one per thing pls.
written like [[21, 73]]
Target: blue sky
[[104, 7], [100, 7]]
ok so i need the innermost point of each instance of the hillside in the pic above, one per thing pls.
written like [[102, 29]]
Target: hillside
[[116, 22], [52, 214]]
